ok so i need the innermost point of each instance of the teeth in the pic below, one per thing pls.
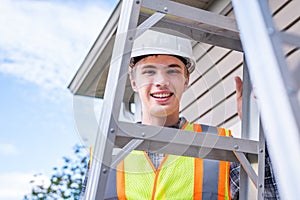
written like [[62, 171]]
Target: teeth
[[161, 95]]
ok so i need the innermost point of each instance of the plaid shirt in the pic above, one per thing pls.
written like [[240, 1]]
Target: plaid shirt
[[271, 191]]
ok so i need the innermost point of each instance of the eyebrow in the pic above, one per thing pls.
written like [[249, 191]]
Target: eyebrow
[[175, 66], [153, 66], [148, 66]]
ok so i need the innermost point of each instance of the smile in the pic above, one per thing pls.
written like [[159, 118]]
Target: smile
[[161, 95]]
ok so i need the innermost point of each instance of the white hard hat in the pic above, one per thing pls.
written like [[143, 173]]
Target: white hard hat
[[155, 43]]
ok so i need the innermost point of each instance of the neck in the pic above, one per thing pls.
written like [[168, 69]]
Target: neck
[[160, 121]]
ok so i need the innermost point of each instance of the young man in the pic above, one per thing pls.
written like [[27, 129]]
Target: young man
[[159, 73]]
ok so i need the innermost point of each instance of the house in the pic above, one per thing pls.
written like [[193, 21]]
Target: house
[[210, 98]]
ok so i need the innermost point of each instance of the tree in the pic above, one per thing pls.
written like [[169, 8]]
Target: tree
[[65, 182]]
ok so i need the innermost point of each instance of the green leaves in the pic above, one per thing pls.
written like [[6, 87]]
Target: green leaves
[[65, 182]]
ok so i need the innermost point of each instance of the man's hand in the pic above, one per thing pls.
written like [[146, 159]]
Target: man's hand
[[239, 90]]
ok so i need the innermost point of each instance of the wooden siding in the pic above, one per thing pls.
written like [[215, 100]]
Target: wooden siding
[[210, 98]]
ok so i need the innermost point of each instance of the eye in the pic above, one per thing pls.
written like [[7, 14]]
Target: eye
[[173, 71], [148, 72]]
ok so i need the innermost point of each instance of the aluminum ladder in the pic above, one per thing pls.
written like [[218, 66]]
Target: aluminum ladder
[[204, 26]]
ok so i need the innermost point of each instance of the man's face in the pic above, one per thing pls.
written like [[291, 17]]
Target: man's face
[[160, 81]]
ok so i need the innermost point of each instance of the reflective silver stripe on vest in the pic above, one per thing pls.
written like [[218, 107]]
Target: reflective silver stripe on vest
[[209, 129], [210, 179], [210, 171]]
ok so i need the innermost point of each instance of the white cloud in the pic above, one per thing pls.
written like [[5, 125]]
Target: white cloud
[[14, 185], [44, 42], [8, 149]]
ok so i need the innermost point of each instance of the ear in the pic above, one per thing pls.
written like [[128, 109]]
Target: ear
[[132, 80], [186, 83], [133, 85]]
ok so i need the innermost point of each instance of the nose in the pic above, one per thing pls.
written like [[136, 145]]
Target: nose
[[161, 80]]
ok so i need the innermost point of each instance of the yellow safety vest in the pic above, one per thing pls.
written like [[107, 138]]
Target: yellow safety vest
[[177, 177]]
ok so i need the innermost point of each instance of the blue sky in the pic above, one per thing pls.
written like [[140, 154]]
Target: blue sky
[[42, 44]]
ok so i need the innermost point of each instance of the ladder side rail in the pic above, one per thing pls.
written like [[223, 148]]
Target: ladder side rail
[[116, 82], [261, 164], [280, 125], [277, 39], [246, 126]]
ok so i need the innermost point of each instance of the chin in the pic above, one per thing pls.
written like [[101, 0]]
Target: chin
[[161, 111]]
